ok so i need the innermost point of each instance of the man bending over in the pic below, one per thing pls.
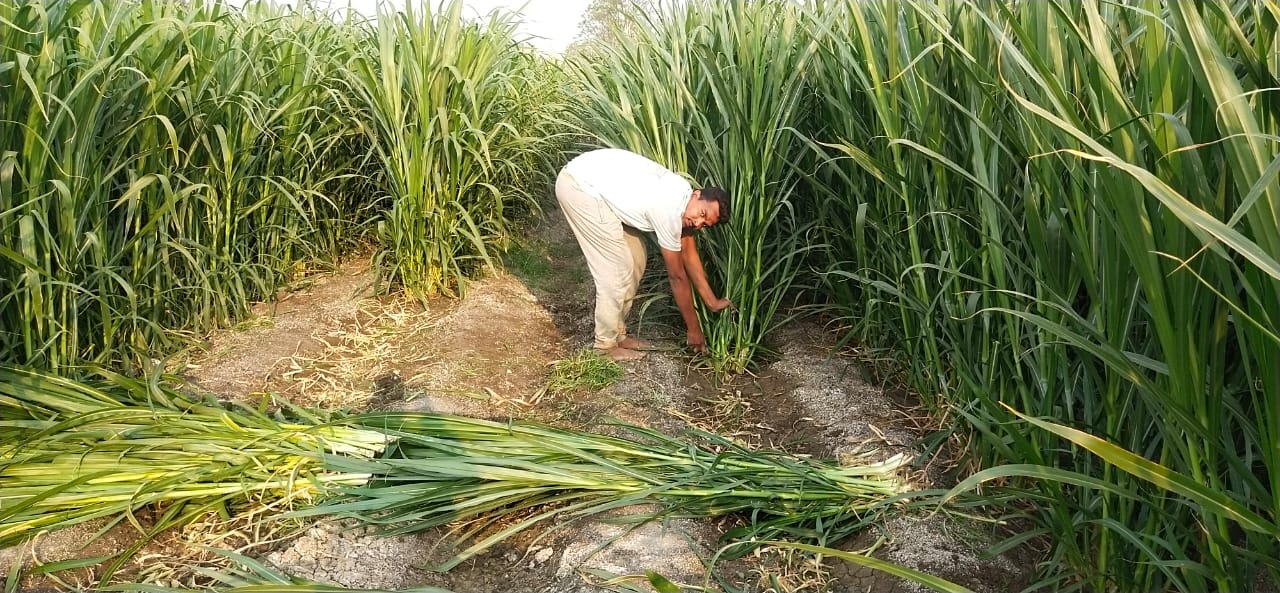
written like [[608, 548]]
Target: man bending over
[[610, 196]]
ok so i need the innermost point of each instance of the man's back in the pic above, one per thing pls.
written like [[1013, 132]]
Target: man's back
[[644, 194]]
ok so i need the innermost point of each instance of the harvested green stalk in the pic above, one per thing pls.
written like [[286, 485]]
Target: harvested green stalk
[[81, 453], [442, 469], [74, 453]]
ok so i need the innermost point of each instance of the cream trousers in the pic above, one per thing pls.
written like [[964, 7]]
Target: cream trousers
[[614, 252]]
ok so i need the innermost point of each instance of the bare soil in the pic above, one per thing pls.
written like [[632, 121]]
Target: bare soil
[[335, 344]]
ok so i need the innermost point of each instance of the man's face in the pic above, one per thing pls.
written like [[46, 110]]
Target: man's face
[[700, 213]]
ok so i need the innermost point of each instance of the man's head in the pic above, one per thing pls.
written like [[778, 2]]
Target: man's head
[[707, 207]]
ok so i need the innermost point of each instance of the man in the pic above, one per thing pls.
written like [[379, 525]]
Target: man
[[609, 197]]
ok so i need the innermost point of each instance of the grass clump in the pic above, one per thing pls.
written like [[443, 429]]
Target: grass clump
[[530, 262], [585, 369]]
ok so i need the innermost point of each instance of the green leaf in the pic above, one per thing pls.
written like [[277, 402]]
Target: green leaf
[[660, 583], [1210, 501]]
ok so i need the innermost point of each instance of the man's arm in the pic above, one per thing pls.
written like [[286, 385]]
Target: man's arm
[[683, 293], [698, 275]]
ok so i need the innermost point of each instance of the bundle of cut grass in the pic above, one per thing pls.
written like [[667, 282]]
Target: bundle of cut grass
[[74, 453], [443, 469]]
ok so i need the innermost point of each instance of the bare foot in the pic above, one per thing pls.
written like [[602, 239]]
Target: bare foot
[[631, 343], [621, 354]]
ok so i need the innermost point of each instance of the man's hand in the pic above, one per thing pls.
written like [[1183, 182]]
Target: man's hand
[[719, 305], [697, 341]]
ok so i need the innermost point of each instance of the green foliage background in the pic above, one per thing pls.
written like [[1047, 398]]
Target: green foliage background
[[1067, 210]]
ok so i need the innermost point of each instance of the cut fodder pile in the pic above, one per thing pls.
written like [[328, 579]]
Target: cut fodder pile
[[77, 452], [445, 468]]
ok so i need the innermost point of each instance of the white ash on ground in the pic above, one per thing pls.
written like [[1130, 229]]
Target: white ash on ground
[[854, 416], [656, 380], [939, 545], [610, 546], [350, 556], [458, 405]]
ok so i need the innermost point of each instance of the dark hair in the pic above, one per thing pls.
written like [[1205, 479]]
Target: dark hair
[[712, 193]]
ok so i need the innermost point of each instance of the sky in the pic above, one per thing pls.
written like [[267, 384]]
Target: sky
[[551, 24]]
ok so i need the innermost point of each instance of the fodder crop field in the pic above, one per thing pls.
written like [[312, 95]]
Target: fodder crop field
[[1052, 227]]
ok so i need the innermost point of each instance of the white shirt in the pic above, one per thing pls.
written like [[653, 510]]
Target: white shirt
[[644, 194]]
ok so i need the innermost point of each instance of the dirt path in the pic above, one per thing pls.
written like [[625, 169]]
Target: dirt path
[[336, 345]]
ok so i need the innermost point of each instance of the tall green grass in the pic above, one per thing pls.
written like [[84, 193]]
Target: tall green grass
[[164, 164], [498, 479], [1064, 208], [1070, 208], [712, 90], [446, 97]]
